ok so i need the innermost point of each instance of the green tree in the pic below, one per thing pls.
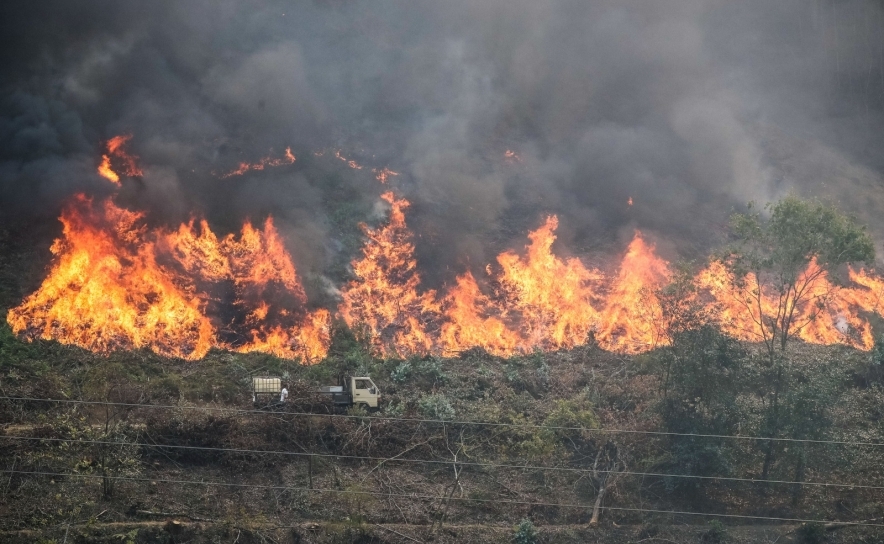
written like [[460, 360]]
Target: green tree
[[703, 373], [769, 268], [806, 413], [706, 371]]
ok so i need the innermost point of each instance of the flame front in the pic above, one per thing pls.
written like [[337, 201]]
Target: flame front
[[118, 285], [829, 313], [549, 297]]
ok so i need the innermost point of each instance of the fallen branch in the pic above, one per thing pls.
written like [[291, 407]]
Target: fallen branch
[[173, 515], [398, 533]]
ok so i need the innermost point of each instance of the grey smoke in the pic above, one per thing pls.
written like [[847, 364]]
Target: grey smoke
[[689, 107]]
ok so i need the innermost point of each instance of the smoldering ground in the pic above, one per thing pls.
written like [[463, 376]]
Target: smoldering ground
[[689, 107]]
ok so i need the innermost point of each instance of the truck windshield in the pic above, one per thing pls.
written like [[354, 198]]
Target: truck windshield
[[362, 384]]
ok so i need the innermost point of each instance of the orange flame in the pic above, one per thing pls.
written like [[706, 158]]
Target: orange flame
[[468, 323], [351, 163], [128, 162], [829, 314], [551, 297], [384, 174], [630, 321], [384, 296], [118, 285], [287, 158]]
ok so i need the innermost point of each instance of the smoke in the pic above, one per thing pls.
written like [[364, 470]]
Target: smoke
[[689, 107]]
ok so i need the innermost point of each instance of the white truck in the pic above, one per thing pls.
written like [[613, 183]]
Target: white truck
[[351, 391], [354, 391]]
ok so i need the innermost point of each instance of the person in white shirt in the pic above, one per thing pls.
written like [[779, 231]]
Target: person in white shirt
[[284, 394]]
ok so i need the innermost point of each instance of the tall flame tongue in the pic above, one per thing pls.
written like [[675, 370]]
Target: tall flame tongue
[[549, 296], [384, 296], [117, 285], [630, 321], [106, 290], [127, 161], [546, 299]]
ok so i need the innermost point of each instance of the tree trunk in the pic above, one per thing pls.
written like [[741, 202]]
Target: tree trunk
[[594, 522], [774, 425]]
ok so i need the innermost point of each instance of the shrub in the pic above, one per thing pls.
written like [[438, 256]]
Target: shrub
[[525, 533], [401, 372], [431, 370], [436, 406]]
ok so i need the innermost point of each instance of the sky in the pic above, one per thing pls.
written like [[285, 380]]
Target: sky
[[690, 108]]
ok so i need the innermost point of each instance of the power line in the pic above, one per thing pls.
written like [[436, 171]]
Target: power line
[[451, 422], [382, 460], [434, 497]]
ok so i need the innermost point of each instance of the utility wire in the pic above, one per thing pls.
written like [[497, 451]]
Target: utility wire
[[449, 422], [382, 460], [434, 497]]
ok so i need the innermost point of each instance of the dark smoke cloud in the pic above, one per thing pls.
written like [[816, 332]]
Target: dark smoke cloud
[[689, 107]]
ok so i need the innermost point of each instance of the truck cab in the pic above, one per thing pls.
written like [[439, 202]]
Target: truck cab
[[354, 391], [365, 392]]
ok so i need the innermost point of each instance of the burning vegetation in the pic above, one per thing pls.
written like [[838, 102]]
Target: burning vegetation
[[287, 158], [116, 283]]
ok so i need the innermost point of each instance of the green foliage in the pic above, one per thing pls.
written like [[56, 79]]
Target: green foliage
[[875, 371], [350, 347], [571, 413], [394, 410], [436, 406], [401, 372], [525, 533], [127, 538], [796, 232], [704, 376], [778, 249], [107, 450], [430, 370]]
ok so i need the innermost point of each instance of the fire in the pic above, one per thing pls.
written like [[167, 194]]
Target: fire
[[384, 297], [629, 322], [116, 284], [384, 174], [830, 314], [541, 302], [470, 321], [287, 158], [550, 296], [546, 299], [351, 163], [107, 291], [115, 149], [511, 156]]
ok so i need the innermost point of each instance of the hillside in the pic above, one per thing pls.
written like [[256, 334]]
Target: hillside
[[174, 451]]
